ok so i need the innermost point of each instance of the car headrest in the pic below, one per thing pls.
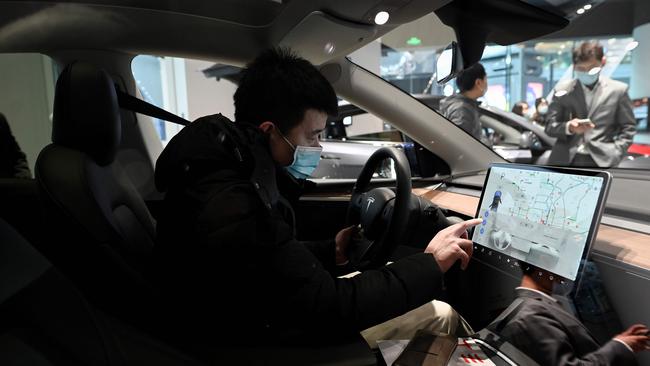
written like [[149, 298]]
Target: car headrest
[[86, 113]]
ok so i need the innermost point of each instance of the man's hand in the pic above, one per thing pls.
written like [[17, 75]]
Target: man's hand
[[342, 242], [636, 336], [578, 128], [451, 244]]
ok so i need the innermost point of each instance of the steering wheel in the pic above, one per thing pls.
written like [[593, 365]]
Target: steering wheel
[[381, 213]]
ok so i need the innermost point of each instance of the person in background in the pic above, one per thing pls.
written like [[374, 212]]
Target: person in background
[[539, 326], [541, 111], [520, 108], [591, 116], [462, 108], [13, 162]]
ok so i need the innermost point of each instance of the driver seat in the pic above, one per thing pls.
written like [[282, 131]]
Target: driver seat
[[103, 233]]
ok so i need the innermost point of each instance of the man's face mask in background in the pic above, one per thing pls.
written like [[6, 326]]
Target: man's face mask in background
[[305, 159], [588, 78]]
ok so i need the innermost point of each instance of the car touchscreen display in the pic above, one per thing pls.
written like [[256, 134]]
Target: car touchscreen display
[[539, 216]]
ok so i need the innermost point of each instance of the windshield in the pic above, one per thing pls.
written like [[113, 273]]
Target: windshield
[[571, 99]]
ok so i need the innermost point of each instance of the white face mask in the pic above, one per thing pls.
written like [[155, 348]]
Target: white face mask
[[543, 109], [529, 113], [484, 89]]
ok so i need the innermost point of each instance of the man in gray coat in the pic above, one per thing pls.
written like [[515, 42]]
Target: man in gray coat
[[462, 108], [591, 116]]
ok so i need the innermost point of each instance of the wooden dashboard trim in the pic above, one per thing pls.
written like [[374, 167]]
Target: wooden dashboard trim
[[624, 245]]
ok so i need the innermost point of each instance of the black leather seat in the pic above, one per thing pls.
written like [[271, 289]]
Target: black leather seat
[[102, 233]]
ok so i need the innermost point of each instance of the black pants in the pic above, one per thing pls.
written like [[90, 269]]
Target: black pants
[[583, 160]]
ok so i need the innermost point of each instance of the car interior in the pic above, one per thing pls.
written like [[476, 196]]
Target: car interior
[[76, 240]]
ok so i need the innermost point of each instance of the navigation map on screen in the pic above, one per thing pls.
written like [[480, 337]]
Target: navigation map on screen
[[540, 217]]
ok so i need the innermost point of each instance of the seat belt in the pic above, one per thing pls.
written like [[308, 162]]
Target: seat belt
[[504, 318], [131, 103]]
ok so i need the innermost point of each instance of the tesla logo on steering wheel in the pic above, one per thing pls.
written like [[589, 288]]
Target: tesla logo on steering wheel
[[371, 200]]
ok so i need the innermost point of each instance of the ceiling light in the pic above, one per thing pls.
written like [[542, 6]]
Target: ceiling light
[[587, 7], [329, 48], [632, 45], [381, 18], [580, 11]]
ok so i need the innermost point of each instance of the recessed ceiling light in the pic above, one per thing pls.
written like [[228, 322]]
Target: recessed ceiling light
[[580, 11], [587, 7], [329, 48], [381, 18]]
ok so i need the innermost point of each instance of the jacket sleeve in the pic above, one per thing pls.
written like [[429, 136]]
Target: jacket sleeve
[[296, 288], [555, 122], [625, 117], [543, 339], [323, 250], [356, 303]]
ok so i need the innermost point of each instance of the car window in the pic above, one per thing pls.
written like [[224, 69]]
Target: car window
[[185, 87], [606, 104], [350, 138], [27, 90]]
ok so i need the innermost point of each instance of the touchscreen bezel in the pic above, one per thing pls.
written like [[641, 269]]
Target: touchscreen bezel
[[595, 221]]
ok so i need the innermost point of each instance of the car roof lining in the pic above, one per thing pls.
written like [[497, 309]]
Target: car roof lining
[[42, 26], [233, 31]]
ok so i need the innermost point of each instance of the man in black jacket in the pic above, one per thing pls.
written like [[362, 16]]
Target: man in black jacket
[[227, 254]]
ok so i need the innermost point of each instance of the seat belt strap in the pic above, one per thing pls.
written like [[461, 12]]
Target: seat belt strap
[[504, 318], [134, 104]]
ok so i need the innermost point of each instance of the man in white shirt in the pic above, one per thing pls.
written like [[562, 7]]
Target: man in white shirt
[[591, 116]]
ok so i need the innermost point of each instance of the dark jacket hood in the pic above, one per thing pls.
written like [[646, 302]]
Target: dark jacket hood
[[206, 145]]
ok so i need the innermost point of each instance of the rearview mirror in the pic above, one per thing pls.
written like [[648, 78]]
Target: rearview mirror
[[449, 64]]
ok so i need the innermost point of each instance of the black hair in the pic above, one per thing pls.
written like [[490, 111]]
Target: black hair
[[279, 86], [539, 101], [467, 78], [518, 108], [587, 51]]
